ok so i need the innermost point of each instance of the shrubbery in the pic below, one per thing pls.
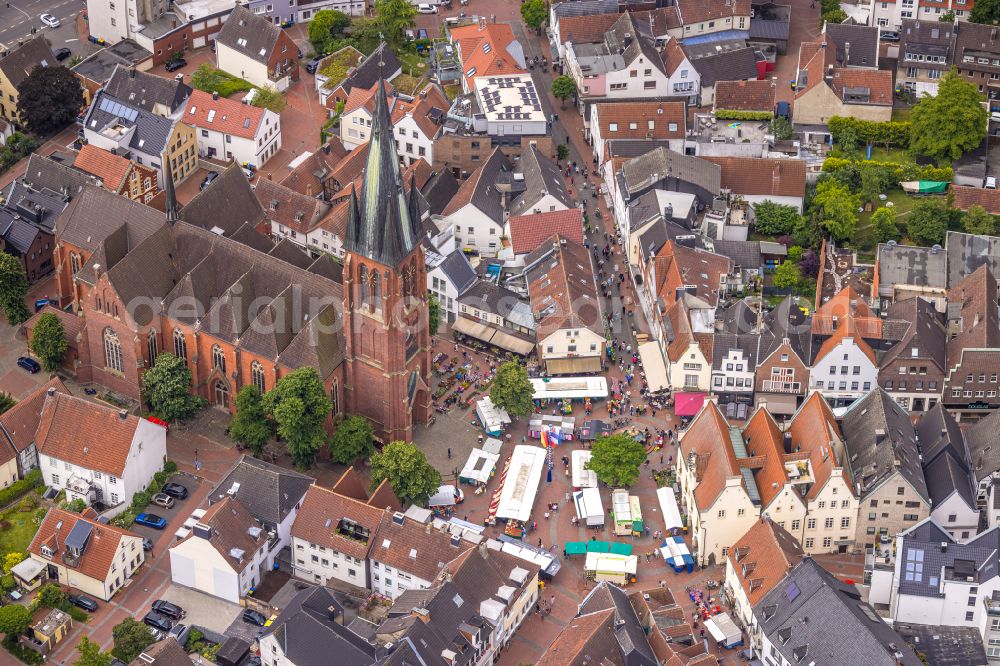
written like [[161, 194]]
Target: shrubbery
[[727, 114], [900, 172], [892, 133], [31, 480]]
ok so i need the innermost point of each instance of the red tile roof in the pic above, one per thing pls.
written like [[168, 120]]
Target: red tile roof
[[416, 549], [528, 232], [756, 176], [585, 29], [83, 433], [678, 265], [483, 47], [707, 438], [228, 115], [846, 302], [320, 516], [642, 120], [111, 169], [847, 328], [745, 95], [966, 197], [813, 429], [877, 81], [673, 56], [565, 288], [421, 108], [100, 552], [19, 424], [365, 97], [763, 557], [763, 438], [698, 11]]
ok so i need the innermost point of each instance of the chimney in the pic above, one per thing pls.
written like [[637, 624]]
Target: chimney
[[51, 391], [484, 550], [427, 528], [123, 414], [215, 96], [309, 189], [331, 613], [326, 149], [847, 53]]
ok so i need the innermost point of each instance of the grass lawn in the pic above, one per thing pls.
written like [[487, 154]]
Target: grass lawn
[[880, 154], [452, 92], [902, 204], [22, 529], [408, 85], [208, 79], [901, 114], [413, 63]]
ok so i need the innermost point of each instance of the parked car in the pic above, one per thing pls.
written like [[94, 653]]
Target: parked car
[[175, 64], [180, 633], [84, 602], [172, 611], [41, 303], [164, 500], [29, 364], [62, 54], [156, 633], [151, 520], [208, 180], [889, 36], [49, 20], [424, 8], [252, 616], [147, 544], [313, 64], [158, 621], [175, 490], [783, 110]]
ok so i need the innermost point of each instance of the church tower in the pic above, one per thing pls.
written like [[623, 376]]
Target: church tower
[[387, 340]]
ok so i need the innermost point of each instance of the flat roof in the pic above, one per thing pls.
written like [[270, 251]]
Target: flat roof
[[509, 98]]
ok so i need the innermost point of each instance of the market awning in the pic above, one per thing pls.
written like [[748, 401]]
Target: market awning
[[619, 548], [512, 343], [473, 328], [598, 547], [575, 548], [688, 404], [573, 366], [653, 366]]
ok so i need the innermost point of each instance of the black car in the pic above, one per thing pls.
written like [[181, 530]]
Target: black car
[[62, 54], [208, 180], [313, 64], [172, 611], [175, 64], [29, 364], [84, 602], [254, 617], [158, 621], [175, 490], [147, 544]]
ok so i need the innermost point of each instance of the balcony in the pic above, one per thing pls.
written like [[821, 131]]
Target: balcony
[[80, 485]]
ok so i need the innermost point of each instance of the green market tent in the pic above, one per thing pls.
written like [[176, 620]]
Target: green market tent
[[924, 187], [619, 548], [598, 547], [575, 548]]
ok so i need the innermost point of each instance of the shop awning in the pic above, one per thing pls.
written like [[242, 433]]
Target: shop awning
[[575, 548], [473, 328], [573, 366], [619, 548], [688, 404], [512, 343], [653, 366]]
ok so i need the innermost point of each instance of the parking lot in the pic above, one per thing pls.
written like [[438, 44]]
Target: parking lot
[[163, 539], [203, 610]]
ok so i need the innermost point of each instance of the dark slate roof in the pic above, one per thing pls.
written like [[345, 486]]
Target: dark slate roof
[[459, 271], [541, 177], [946, 475], [366, 74], [724, 342], [967, 252], [100, 65], [151, 131], [745, 254], [863, 40], [925, 332], [908, 265], [585, 7], [384, 224], [735, 65], [633, 39], [650, 168], [17, 234], [653, 238], [38, 208], [879, 435], [269, 492], [785, 321], [633, 147], [939, 434], [633, 645], [439, 190], [97, 217], [146, 90], [480, 189], [738, 318], [227, 203], [943, 645], [258, 35], [308, 636], [763, 29], [44, 173], [807, 616], [923, 543], [19, 63], [983, 440], [491, 297]]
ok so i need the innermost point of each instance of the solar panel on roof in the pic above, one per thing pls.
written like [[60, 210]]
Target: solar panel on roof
[[792, 591], [78, 536], [117, 109]]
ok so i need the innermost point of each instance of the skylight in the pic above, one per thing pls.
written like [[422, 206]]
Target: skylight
[[211, 115]]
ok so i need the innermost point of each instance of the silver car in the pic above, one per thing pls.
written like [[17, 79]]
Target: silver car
[[49, 20]]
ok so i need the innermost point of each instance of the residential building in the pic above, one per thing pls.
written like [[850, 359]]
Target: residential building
[[299, 218], [714, 16], [96, 453], [529, 231], [782, 181], [149, 92], [358, 111], [781, 375], [688, 352], [96, 69], [272, 496], [539, 184], [486, 49], [982, 442], [885, 468], [733, 363], [721, 498], [166, 652], [588, 22], [969, 388], [416, 122], [255, 49], [121, 176], [845, 367], [948, 470], [78, 551], [832, 609], [223, 555], [508, 106], [497, 315], [346, 69], [756, 563], [230, 131], [663, 121], [311, 173], [976, 54], [448, 277], [913, 370], [924, 54], [27, 228], [15, 66], [479, 211], [285, 14], [906, 271], [721, 60], [18, 427], [895, 16], [758, 96]]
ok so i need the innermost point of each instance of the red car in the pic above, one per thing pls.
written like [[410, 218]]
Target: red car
[[159, 422]]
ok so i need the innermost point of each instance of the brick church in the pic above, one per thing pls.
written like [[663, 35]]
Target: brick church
[[204, 284]]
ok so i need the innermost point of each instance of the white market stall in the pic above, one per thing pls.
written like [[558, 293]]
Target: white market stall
[[589, 508], [493, 418], [724, 630], [671, 513], [653, 366], [619, 569], [572, 388], [582, 477], [518, 494], [479, 467]]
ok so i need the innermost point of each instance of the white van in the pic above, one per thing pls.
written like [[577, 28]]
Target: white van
[[991, 182], [250, 96], [423, 8], [446, 495]]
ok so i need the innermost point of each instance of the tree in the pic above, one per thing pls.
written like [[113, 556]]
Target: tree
[[774, 219], [952, 122], [534, 13], [562, 152], [366, 33], [512, 389], [91, 654], [131, 638], [13, 288], [299, 406], [353, 439], [327, 25], [809, 264], [927, 223], [167, 387], [6, 401], [49, 99], [433, 314], [987, 11], [616, 459], [947, 17], [835, 209], [269, 98], [787, 276], [250, 426], [48, 341], [412, 478], [977, 221], [884, 225], [781, 128], [834, 16], [14, 619], [394, 18], [11, 560], [563, 87], [51, 595]]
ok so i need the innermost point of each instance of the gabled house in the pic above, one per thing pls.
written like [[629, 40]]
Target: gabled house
[[18, 427], [983, 441], [659, 168], [949, 473], [15, 67], [662, 121], [297, 217], [733, 363], [487, 49], [913, 370], [970, 385], [252, 48], [721, 60], [530, 230], [777, 476], [479, 210], [885, 470], [311, 173], [781, 374], [689, 353], [925, 49], [129, 179], [844, 367], [417, 122], [231, 131], [344, 70], [27, 227], [448, 277], [538, 185], [781, 181], [756, 563], [703, 17], [149, 92], [744, 95], [497, 315], [358, 111]]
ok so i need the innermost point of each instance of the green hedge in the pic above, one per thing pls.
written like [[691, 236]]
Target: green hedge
[[31, 480], [728, 114], [893, 133], [901, 172]]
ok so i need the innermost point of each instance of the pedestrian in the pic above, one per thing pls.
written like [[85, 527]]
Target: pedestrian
[[539, 542], [546, 517], [449, 453]]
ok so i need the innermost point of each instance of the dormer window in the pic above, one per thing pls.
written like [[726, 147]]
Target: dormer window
[[47, 551]]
